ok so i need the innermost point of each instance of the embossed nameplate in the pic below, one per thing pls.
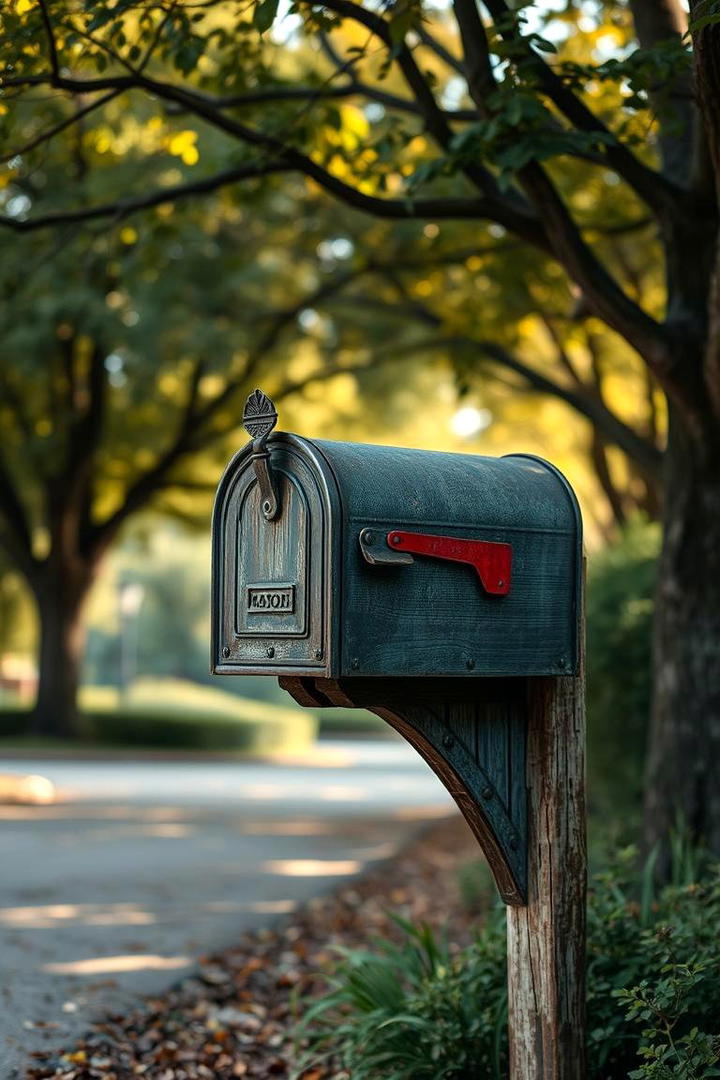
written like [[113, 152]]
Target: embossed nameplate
[[271, 599]]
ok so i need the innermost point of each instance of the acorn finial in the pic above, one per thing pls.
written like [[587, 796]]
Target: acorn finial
[[259, 415]]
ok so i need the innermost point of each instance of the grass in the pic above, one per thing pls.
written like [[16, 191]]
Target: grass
[[176, 714]]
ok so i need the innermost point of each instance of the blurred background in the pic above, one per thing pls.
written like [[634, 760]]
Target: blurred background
[[152, 811], [126, 367]]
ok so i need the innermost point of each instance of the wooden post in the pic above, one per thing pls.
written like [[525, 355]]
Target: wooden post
[[546, 939], [483, 739]]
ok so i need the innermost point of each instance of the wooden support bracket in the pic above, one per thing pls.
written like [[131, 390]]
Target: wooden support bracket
[[472, 735]]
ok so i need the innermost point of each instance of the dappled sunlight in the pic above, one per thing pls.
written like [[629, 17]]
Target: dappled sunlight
[[313, 867], [287, 828], [170, 830], [116, 965], [85, 812], [50, 916], [266, 791], [344, 793], [271, 907], [377, 851], [430, 812], [26, 789], [258, 907]]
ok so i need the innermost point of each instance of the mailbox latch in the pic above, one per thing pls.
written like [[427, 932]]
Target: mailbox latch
[[492, 561]]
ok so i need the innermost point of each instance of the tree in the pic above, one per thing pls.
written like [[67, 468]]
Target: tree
[[472, 122], [408, 295], [114, 398], [102, 361]]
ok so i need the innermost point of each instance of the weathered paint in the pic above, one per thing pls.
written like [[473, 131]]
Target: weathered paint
[[429, 617]]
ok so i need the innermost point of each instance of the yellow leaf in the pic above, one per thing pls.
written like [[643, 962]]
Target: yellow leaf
[[183, 146], [22, 6], [128, 235], [354, 120]]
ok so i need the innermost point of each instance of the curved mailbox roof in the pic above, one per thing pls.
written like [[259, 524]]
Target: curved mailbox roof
[[431, 488]]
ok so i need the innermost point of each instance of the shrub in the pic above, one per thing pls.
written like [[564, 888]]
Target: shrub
[[415, 1011], [351, 722], [175, 714], [621, 582]]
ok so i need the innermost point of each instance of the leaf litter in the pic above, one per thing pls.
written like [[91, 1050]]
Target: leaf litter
[[235, 1015]]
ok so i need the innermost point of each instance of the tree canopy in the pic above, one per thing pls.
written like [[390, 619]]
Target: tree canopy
[[569, 153]]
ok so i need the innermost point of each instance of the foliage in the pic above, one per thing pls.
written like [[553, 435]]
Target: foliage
[[414, 1011], [175, 714], [417, 1010], [349, 722], [621, 584]]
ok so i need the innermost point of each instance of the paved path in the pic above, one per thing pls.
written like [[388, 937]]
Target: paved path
[[143, 866]]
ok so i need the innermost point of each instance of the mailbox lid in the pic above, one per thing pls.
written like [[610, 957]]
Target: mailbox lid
[[433, 617]]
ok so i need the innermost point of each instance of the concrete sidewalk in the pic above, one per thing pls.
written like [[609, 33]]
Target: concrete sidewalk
[[143, 866]]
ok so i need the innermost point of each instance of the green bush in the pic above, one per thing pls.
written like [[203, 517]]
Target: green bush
[[14, 722], [175, 714], [416, 1011], [413, 1011], [351, 722], [619, 643]]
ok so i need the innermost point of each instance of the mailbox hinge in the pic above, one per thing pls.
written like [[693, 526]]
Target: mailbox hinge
[[259, 418], [261, 463]]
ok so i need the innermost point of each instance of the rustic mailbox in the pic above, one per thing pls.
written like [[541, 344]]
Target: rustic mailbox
[[377, 561], [444, 592]]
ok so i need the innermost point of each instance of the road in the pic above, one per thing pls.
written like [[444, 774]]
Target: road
[[140, 867]]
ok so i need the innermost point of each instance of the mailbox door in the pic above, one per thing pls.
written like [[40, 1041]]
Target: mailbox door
[[271, 596]]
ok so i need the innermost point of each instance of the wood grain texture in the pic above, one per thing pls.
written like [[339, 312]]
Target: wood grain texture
[[546, 939]]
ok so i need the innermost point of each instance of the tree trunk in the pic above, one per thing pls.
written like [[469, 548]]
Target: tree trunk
[[684, 757], [62, 637]]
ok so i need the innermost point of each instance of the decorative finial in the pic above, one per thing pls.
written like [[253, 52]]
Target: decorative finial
[[259, 416]]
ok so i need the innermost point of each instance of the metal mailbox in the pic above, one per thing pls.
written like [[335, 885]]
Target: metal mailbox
[[338, 559], [432, 589]]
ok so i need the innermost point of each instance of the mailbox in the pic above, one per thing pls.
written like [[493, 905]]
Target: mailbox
[[338, 559], [434, 589]]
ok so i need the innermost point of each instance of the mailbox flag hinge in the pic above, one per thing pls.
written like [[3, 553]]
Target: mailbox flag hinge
[[492, 561]]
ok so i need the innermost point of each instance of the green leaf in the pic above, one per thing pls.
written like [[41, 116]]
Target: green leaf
[[265, 14]]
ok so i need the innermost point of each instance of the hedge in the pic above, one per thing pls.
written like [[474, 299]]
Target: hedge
[[171, 714]]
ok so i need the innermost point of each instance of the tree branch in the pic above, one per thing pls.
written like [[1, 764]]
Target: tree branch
[[604, 296], [50, 133], [52, 48], [123, 207], [312, 93], [656, 191], [478, 69], [435, 120], [642, 451], [430, 42]]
